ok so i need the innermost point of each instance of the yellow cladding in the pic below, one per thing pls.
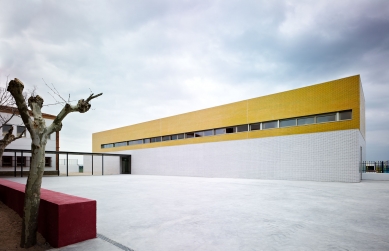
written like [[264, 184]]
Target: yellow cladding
[[337, 95]]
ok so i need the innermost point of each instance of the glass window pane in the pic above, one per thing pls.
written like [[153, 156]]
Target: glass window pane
[[269, 124], [120, 144], [220, 131], [345, 115], [181, 136], [242, 128], [326, 118], [145, 141], [199, 134], [6, 129], [189, 135], [47, 161], [287, 122], [139, 141], [165, 138], [155, 139], [305, 121], [208, 133], [7, 161], [230, 129], [174, 137], [20, 129], [254, 127], [107, 146]]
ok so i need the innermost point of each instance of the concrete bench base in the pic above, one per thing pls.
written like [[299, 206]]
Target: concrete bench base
[[63, 219]]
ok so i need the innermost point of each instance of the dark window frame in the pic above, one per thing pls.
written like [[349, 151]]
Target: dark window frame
[[7, 163], [48, 162]]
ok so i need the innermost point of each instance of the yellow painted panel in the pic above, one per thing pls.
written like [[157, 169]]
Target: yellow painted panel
[[337, 95]]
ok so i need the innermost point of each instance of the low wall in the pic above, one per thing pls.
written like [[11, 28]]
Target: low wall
[[375, 176], [63, 219]]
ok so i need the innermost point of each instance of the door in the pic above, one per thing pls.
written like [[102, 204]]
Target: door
[[125, 166]]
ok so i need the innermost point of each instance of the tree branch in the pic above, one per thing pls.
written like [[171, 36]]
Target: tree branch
[[16, 87], [81, 107], [9, 137], [5, 121]]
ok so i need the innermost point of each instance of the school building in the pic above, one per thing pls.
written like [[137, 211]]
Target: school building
[[314, 133]]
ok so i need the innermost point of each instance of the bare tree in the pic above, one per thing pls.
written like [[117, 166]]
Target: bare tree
[[7, 112], [39, 134]]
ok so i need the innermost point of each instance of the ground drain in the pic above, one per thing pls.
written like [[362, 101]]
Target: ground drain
[[114, 243]]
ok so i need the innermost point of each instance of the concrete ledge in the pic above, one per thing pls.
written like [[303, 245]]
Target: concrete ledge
[[375, 176], [63, 219]]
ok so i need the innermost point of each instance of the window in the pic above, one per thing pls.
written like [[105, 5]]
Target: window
[[146, 141], [199, 134], [174, 137], [269, 124], [106, 145], [135, 142], [6, 128], [326, 118], [47, 161], [345, 115], [220, 131], [242, 128], [7, 161], [20, 130], [230, 129], [287, 122], [21, 161], [155, 139], [305, 121], [165, 138], [189, 135], [181, 136], [208, 132], [121, 144], [254, 127]]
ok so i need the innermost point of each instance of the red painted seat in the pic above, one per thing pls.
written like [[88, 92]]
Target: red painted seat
[[63, 219]]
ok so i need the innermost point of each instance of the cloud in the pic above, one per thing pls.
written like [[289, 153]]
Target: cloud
[[153, 59]]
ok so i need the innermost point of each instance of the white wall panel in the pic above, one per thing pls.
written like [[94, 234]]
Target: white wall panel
[[327, 156]]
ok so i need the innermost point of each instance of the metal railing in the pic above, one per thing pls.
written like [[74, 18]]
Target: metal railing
[[23, 161], [375, 166]]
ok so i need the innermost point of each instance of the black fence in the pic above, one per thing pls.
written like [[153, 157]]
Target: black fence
[[18, 161], [375, 166]]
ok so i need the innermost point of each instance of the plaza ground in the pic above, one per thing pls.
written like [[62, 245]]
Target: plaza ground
[[147, 213]]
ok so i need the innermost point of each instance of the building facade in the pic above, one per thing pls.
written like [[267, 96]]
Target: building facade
[[9, 160], [312, 133]]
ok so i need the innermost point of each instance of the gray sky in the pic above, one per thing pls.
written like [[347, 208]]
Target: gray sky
[[153, 59]]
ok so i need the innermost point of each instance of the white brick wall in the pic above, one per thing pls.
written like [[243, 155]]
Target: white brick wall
[[328, 156]]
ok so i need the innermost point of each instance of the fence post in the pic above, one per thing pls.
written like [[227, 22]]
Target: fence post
[[92, 164], [21, 164], [102, 164], [15, 165], [67, 164]]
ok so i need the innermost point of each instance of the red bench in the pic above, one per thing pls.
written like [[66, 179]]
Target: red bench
[[63, 219]]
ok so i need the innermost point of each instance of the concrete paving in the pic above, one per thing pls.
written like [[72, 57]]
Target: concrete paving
[[146, 213]]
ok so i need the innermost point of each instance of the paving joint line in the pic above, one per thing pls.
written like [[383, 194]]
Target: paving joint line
[[117, 244]]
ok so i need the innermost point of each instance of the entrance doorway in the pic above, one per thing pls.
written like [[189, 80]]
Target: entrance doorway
[[126, 166]]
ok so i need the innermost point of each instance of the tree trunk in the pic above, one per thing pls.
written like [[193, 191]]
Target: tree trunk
[[32, 195], [2, 147], [39, 133]]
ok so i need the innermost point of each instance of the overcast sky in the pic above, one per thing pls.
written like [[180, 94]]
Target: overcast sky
[[153, 59]]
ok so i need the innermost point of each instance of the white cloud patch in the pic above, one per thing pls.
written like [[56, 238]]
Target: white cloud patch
[[153, 59]]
